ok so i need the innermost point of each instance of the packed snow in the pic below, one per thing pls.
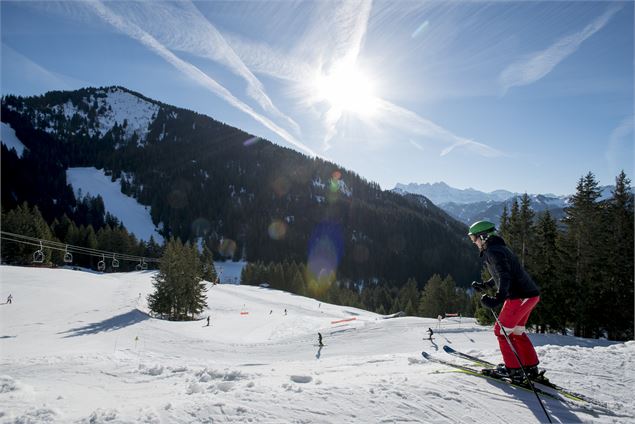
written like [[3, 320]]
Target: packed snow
[[80, 347], [11, 140], [134, 216]]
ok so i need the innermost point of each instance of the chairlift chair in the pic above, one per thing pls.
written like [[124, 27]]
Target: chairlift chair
[[138, 267], [144, 265], [38, 255], [68, 256], [101, 265], [115, 262]]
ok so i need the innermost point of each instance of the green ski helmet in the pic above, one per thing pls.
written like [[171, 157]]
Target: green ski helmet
[[481, 228]]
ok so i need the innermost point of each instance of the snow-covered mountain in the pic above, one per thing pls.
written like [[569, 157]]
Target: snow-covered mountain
[[97, 113], [471, 205], [79, 347], [441, 193]]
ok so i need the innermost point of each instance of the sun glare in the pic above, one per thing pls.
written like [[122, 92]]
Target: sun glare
[[347, 88]]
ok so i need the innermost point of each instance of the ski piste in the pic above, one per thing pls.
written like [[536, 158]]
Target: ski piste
[[564, 392], [571, 400]]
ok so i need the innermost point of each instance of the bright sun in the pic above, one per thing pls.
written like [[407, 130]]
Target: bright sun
[[346, 88]]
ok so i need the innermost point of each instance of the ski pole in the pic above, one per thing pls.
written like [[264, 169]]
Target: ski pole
[[521, 365]]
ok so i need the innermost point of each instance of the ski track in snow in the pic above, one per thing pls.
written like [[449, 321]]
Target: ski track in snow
[[79, 347]]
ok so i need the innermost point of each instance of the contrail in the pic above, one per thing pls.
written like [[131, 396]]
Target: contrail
[[537, 65], [190, 70]]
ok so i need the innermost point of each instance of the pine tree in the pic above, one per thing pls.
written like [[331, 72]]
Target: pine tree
[[409, 297], [179, 290], [550, 312], [28, 222], [526, 223], [431, 303], [208, 270], [618, 294], [583, 250]]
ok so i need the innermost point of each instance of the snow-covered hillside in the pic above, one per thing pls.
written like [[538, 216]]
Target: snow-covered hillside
[[9, 139], [134, 216], [80, 347], [113, 105]]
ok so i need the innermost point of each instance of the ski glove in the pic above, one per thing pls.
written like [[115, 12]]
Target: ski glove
[[490, 301], [479, 287]]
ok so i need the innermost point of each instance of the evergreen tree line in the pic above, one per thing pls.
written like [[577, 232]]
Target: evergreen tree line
[[111, 237], [438, 297], [583, 263]]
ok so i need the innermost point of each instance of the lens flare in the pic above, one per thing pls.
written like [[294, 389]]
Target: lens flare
[[227, 248], [250, 141], [277, 229], [325, 251], [281, 186]]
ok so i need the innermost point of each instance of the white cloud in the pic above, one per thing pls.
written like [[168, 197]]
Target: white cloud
[[537, 65]]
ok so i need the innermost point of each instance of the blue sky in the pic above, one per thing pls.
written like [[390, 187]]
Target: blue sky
[[524, 96]]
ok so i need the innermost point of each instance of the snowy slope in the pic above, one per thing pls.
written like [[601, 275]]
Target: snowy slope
[[134, 216], [10, 140], [79, 347]]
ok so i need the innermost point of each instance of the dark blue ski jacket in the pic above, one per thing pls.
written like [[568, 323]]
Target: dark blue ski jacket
[[510, 277]]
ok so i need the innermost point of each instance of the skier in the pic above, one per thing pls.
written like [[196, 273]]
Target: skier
[[285, 312], [10, 298], [518, 294], [208, 321], [320, 340], [430, 333]]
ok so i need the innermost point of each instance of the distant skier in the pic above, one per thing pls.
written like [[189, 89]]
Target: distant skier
[[320, 340], [518, 294], [285, 312], [208, 320], [10, 298], [430, 333]]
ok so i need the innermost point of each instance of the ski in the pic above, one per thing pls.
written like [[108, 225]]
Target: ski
[[564, 392], [572, 400], [472, 371]]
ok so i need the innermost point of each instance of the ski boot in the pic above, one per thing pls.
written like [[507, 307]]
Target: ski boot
[[516, 375], [536, 375], [499, 372]]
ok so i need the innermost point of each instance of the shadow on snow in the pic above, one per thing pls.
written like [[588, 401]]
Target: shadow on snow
[[114, 323]]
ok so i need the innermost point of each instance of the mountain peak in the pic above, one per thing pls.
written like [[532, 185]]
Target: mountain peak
[[440, 193]]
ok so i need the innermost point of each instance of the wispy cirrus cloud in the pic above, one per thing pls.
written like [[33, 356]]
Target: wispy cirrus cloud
[[621, 139], [134, 31], [181, 26], [407, 120], [40, 78], [537, 65]]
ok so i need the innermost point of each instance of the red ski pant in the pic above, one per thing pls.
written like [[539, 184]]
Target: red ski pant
[[513, 318]]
